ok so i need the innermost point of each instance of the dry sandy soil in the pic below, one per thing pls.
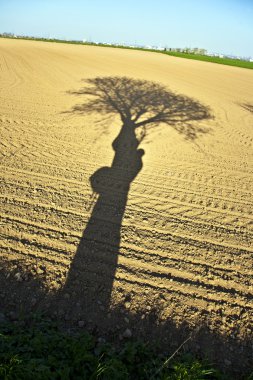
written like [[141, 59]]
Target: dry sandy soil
[[159, 240]]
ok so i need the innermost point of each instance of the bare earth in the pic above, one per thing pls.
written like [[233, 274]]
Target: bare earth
[[162, 252]]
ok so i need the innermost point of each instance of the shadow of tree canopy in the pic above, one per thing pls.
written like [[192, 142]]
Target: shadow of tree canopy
[[142, 103]]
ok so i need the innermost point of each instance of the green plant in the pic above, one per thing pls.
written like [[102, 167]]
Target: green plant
[[39, 349]]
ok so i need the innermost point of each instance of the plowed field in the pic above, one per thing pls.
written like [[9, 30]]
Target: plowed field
[[176, 242]]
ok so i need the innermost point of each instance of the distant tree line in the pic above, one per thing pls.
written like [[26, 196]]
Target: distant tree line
[[192, 53]]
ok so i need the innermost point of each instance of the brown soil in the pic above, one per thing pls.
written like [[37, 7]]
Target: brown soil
[[107, 229]]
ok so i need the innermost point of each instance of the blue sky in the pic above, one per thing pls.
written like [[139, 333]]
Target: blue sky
[[224, 26]]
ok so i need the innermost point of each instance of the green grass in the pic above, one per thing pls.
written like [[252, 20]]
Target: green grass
[[198, 57], [42, 351], [206, 58]]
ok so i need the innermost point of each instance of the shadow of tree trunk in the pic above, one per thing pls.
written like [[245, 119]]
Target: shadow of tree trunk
[[95, 261]]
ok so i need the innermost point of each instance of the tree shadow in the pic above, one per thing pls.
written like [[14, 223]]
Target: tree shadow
[[141, 106]]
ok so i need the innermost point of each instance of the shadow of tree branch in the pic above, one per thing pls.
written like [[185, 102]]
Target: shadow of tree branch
[[247, 106]]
